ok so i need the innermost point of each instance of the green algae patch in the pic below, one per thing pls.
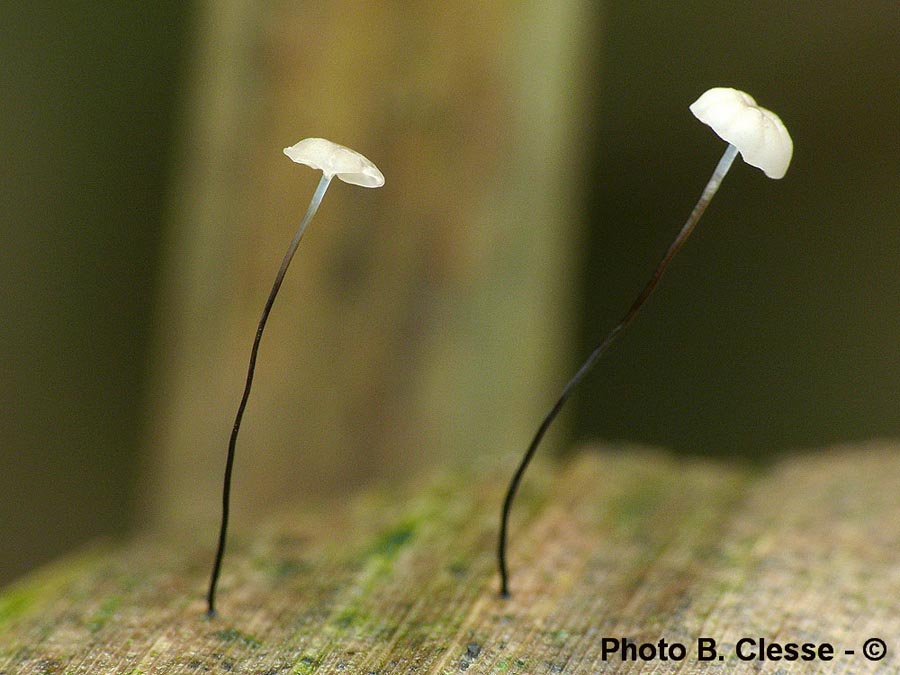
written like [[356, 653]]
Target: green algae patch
[[233, 635], [104, 613], [391, 542], [349, 618], [17, 602], [306, 665], [25, 596], [284, 568]]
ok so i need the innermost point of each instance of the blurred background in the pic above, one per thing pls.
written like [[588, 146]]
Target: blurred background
[[539, 159]]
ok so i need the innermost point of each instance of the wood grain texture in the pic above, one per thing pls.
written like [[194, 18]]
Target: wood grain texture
[[622, 543]]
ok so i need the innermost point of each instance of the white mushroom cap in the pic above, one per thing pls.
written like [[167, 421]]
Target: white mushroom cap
[[336, 160], [757, 133]]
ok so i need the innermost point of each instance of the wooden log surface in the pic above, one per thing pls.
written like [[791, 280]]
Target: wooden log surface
[[610, 544]]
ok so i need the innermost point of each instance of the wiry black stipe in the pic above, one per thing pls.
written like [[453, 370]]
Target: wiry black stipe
[[232, 443], [674, 247]]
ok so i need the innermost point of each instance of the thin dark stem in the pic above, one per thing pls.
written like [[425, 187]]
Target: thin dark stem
[[229, 462], [707, 195]]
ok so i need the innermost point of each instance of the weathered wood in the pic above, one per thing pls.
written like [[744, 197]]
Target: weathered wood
[[631, 543]]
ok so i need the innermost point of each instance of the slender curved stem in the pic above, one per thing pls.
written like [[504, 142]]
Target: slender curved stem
[[708, 192], [229, 463]]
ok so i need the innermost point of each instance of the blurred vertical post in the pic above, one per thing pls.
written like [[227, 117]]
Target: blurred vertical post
[[420, 324]]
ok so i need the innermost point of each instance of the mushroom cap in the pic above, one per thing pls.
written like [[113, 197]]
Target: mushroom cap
[[336, 160], [757, 133]]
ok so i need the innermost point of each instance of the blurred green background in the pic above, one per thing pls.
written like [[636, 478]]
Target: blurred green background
[[87, 120], [775, 329], [777, 326]]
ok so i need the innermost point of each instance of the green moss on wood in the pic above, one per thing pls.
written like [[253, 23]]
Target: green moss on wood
[[391, 542], [231, 635]]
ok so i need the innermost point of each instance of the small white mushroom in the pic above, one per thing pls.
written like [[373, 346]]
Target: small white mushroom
[[332, 160], [758, 134], [336, 160], [762, 140]]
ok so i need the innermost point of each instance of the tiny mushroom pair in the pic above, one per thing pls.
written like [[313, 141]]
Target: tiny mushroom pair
[[754, 132]]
